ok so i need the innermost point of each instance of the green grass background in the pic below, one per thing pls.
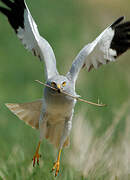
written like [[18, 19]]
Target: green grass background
[[68, 25]]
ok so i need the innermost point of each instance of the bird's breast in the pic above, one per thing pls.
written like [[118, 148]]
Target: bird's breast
[[58, 108]]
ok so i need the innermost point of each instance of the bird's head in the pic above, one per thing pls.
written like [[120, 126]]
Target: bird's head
[[60, 83]]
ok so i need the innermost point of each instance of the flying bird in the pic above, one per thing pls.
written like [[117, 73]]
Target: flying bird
[[52, 115]]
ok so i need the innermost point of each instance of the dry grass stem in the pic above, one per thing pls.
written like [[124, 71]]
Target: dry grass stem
[[74, 97]]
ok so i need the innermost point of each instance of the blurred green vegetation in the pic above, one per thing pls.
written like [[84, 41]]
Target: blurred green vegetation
[[68, 25]]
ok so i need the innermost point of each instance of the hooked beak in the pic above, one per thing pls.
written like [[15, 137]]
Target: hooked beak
[[59, 88]]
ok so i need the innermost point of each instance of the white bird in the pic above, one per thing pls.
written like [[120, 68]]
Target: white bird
[[53, 114]]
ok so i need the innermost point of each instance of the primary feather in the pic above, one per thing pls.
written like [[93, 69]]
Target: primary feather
[[26, 29], [111, 43]]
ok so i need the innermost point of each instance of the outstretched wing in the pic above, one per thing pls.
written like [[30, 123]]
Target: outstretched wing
[[110, 44], [25, 27], [28, 112]]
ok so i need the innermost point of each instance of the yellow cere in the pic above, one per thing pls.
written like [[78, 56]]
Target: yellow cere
[[59, 86]]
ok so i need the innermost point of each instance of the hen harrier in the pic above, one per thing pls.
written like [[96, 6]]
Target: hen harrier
[[52, 115]]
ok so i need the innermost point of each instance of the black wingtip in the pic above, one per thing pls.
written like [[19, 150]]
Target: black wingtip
[[121, 39], [15, 12], [5, 11], [117, 21]]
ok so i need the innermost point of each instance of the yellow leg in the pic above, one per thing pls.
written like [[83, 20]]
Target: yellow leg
[[37, 155], [57, 164]]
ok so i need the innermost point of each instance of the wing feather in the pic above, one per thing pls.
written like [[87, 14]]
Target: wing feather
[[26, 29], [110, 44], [28, 112]]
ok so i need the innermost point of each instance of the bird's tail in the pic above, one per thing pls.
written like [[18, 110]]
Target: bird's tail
[[28, 112], [54, 134]]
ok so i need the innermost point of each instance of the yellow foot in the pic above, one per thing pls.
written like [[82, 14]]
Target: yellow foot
[[56, 167], [36, 157]]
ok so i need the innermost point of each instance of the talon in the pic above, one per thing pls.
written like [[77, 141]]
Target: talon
[[56, 167], [36, 156]]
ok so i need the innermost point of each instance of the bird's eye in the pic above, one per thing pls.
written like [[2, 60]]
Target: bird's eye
[[64, 83], [53, 84]]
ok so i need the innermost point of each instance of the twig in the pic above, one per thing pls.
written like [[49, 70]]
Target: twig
[[74, 97]]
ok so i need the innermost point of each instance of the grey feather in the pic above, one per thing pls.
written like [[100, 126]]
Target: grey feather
[[112, 42], [26, 29]]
